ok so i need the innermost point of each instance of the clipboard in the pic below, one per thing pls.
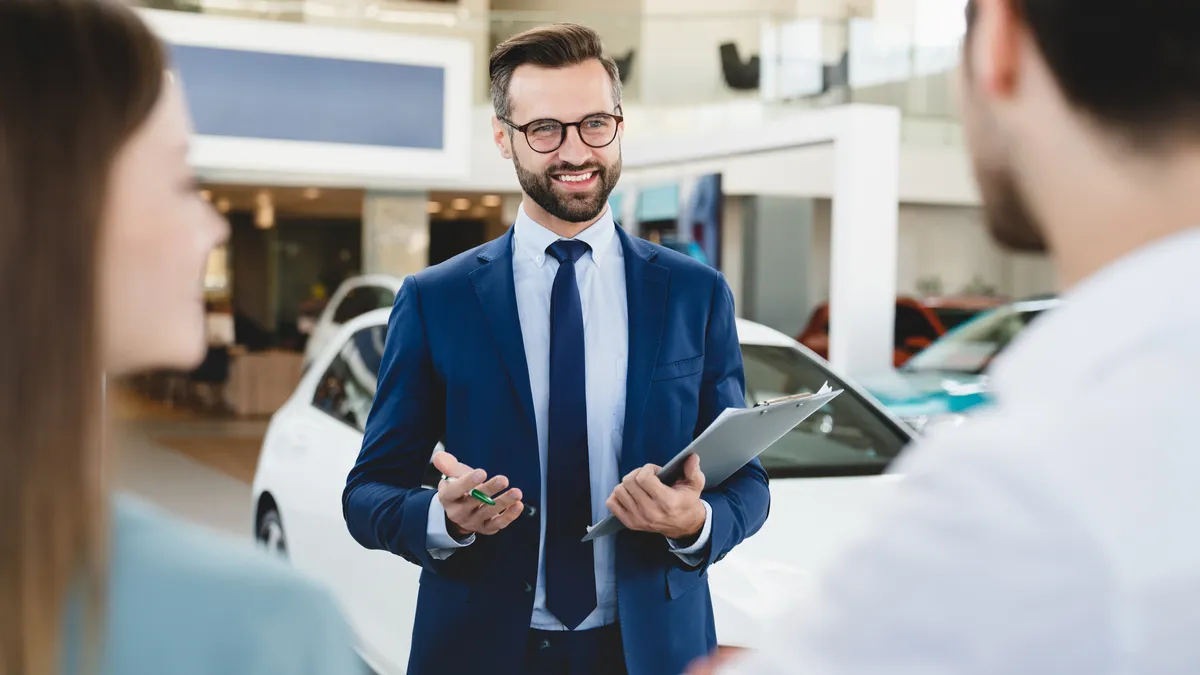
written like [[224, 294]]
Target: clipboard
[[737, 436]]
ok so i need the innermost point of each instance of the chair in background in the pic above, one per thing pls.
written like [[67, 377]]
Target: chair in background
[[625, 65], [740, 75]]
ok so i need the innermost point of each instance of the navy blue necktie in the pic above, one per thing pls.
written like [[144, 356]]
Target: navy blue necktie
[[570, 576]]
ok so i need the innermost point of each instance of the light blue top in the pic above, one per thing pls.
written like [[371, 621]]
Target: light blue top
[[187, 602]]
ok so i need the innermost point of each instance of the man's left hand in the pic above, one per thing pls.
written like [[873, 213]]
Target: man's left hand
[[644, 504]]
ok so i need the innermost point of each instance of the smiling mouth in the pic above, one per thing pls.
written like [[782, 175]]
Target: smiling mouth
[[575, 177]]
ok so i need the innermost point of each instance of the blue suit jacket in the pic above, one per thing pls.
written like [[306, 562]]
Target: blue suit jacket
[[454, 368]]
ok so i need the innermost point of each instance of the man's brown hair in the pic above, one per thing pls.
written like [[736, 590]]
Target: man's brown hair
[[554, 46]]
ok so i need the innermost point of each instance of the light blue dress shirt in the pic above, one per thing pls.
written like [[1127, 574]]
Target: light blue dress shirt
[[601, 277], [185, 601]]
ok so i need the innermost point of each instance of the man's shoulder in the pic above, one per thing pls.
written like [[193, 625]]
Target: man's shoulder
[[199, 592], [684, 268], [669, 257], [457, 267]]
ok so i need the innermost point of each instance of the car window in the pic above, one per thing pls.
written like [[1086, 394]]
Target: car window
[[953, 317], [971, 348], [911, 322], [847, 437], [362, 299], [347, 388]]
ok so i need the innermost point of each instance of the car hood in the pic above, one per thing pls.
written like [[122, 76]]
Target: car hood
[[812, 521], [911, 394]]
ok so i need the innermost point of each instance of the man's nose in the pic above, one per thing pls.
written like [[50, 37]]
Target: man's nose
[[573, 150]]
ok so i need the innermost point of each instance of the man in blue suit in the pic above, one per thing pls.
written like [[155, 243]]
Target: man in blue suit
[[567, 361]]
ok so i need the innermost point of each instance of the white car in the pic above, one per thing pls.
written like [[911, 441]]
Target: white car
[[353, 298], [825, 477]]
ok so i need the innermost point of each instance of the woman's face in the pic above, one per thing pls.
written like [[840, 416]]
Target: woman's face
[[157, 234]]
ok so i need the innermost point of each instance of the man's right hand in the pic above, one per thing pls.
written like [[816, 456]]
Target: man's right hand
[[466, 515]]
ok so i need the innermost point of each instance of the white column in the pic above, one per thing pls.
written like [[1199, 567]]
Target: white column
[[395, 233], [863, 247]]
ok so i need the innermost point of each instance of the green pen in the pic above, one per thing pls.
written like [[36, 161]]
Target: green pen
[[477, 494]]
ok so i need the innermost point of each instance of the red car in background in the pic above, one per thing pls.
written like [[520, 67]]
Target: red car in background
[[918, 323]]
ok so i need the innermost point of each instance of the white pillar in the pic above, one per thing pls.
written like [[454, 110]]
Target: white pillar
[[395, 233], [863, 249]]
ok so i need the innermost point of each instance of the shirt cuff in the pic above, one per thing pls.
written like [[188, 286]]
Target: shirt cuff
[[691, 555], [437, 538]]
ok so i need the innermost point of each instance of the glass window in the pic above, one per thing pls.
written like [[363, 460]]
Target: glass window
[[347, 388], [848, 437], [971, 348], [953, 317], [361, 300], [911, 322]]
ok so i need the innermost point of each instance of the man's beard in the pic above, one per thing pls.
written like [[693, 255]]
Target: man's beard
[[1005, 208], [1007, 212], [571, 207]]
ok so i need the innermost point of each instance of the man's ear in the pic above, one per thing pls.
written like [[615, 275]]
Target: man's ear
[[996, 47], [501, 138]]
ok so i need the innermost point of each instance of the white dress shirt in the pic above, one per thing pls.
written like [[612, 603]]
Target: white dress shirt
[[1054, 534], [600, 274]]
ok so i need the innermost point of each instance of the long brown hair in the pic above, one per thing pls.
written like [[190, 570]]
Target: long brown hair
[[77, 78]]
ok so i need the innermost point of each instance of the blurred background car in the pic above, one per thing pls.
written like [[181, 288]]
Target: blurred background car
[[355, 297], [948, 379], [918, 323], [825, 476]]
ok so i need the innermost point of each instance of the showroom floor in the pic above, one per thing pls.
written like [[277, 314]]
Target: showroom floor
[[197, 467]]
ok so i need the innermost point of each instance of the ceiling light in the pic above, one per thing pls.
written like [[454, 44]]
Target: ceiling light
[[460, 204], [223, 205], [264, 212], [206, 195], [433, 207], [312, 193], [491, 200]]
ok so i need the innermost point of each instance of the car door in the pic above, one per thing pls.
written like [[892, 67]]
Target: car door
[[825, 481], [377, 589]]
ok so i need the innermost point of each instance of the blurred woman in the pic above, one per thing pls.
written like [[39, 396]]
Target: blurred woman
[[103, 241]]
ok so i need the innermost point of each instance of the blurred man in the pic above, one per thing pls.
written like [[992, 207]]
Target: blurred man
[[1056, 533], [568, 361]]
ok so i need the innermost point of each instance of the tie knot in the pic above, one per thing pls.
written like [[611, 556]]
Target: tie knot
[[567, 249]]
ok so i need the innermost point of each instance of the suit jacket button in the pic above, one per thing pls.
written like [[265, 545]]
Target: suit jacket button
[[531, 510], [528, 587]]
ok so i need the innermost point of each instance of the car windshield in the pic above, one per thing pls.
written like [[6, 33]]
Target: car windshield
[[847, 437], [953, 317], [971, 348]]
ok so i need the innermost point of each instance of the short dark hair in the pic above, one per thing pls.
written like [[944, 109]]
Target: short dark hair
[[553, 46], [1134, 67]]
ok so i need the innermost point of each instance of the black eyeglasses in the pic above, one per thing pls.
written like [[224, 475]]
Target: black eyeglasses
[[544, 136]]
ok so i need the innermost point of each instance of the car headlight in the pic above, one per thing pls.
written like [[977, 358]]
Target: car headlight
[[923, 424]]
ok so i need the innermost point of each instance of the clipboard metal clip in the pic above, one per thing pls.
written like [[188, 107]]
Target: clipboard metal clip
[[793, 398]]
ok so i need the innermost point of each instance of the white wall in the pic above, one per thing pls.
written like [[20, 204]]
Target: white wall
[[619, 23], [947, 242], [680, 61]]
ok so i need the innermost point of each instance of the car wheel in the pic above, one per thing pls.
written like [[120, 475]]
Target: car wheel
[[270, 534]]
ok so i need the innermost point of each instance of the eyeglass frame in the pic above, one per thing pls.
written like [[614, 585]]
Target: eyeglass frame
[[565, 125]]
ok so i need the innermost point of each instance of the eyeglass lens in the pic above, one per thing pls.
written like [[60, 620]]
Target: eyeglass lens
[[596, 131]]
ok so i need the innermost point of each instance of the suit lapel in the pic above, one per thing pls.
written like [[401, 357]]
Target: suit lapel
[[494, 285], [646, 290]]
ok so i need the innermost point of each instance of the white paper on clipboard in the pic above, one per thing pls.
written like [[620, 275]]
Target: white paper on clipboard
[[737, 436]]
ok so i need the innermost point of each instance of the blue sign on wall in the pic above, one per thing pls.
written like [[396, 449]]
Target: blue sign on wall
[[247, 94]]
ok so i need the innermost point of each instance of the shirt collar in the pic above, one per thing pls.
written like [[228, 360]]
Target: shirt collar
[[532, 240], [1144, 296]]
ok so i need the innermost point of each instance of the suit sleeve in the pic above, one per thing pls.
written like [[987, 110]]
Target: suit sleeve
[[384, 504], [739, 505]]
